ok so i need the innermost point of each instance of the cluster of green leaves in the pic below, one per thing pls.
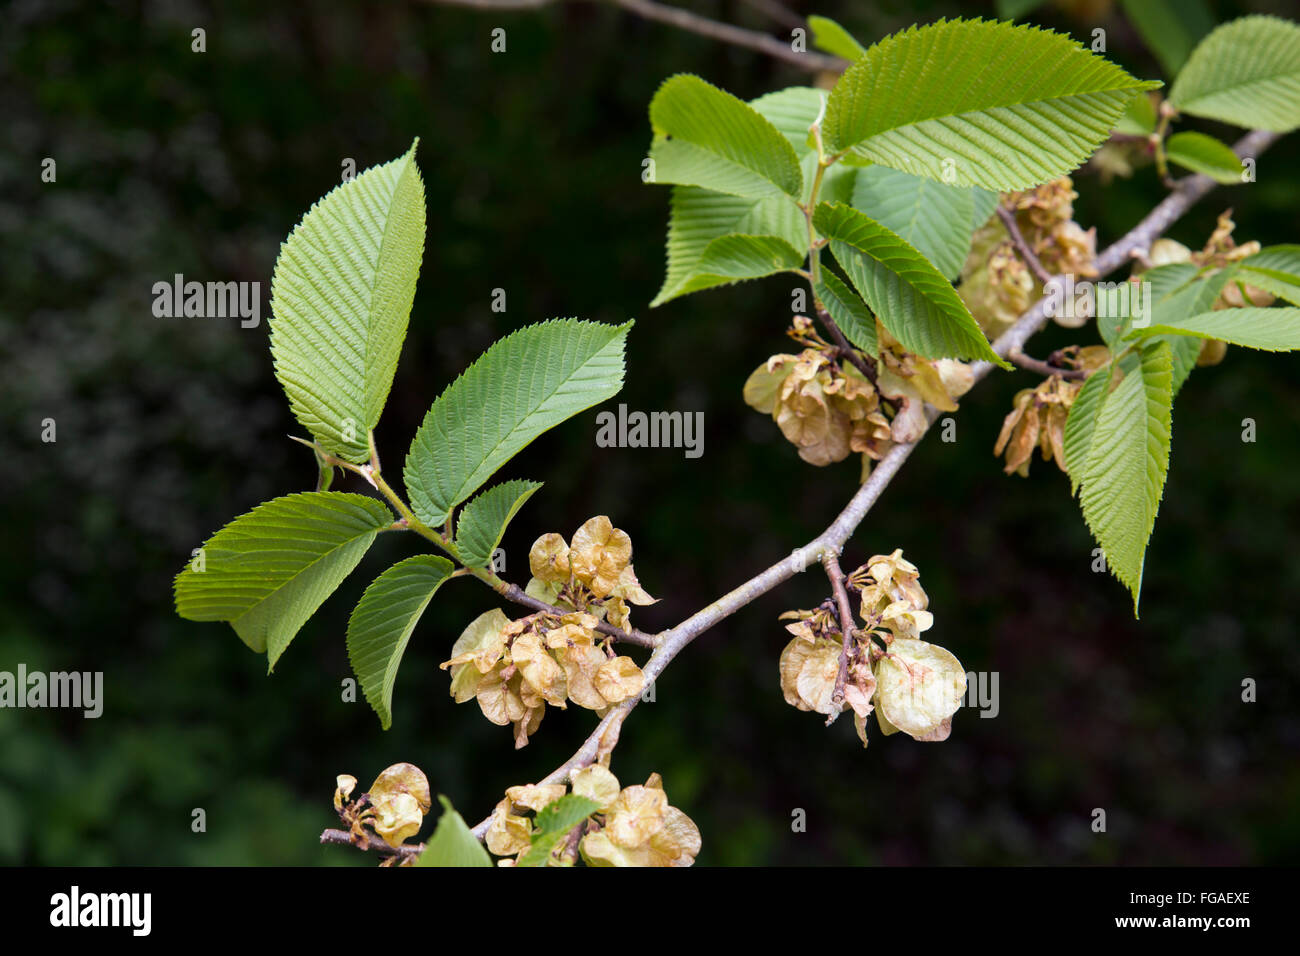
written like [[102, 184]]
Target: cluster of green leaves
[[1117, 438], [1246, 76], [1245, 72], [342, 294], [895, 168]]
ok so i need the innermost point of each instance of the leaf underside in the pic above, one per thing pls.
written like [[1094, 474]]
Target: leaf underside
[[1206, 155], [269, 570], [934, 218], [1081, 423], [1247, 73], [1275, 269], [849, 312], [1271, 330], [706, 137]]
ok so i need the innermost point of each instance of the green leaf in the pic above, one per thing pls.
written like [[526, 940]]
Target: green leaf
[[793, 111], [1206, 155], [704, 136], [1082, 422], [699, 216], [913, 299], [382, 622], [1124, 476], [1276, 270], [553, 823], [849, 312], [324, 470], [1247, 73], [735, 257], [453, 843], [1272, 330], [1171, 28], [834, 39], [931, 217], [525, 384], [1115, 317], [1193, 297], [1030, 105], [985, 204], [341, 297], [269, 570], [483, 521], [1139, 118]]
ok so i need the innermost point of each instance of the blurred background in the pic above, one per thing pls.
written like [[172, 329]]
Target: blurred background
[[171, 161]]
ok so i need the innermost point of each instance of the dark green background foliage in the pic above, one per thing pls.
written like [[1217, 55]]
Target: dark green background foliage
[[170, 161]]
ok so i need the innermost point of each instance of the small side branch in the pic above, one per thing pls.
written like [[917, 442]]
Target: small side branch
[[513, 592], [1018, 357], [736, 36], [1022, 246], [344, 838], [847, 627], [864, 364]]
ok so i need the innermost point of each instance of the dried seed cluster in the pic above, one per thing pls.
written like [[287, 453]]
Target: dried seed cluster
[[1037, 420], [827, 409], [911, 685], [514, 668], [394, 806], [634, 826], [997, 285]]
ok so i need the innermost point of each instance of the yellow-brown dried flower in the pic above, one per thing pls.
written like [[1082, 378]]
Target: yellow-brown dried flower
[[508, 832], [640, 828], [399, 799], [822, 407], [1037, 420], [516, 668], [919, 687]]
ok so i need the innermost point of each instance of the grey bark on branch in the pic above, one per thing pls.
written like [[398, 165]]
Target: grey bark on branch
[[1018, 240], [673, 641]]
